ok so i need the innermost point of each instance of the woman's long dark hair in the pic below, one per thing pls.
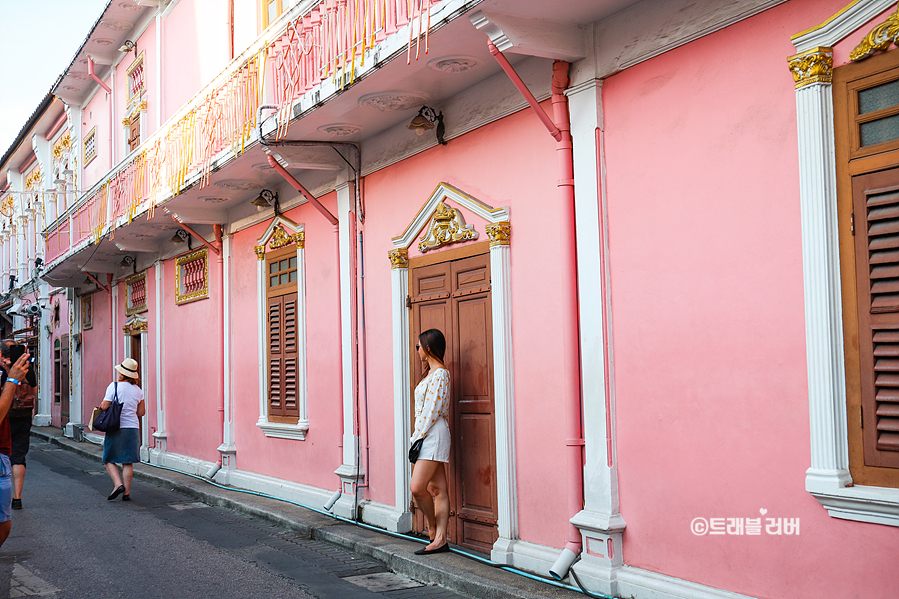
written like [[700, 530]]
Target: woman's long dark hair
[[434, 344]]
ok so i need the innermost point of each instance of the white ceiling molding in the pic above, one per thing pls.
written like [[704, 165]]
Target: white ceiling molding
[[533, 37]]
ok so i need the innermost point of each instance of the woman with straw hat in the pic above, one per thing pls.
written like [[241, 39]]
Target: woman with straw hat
[[122, 446]]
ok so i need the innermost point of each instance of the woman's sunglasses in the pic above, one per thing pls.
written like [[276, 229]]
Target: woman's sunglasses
[[416, 347]]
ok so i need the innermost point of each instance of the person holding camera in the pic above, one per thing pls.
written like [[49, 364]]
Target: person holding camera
[[12, 373]]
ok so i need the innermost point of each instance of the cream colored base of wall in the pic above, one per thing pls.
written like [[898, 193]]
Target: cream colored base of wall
[[631, 582], [530, 557]]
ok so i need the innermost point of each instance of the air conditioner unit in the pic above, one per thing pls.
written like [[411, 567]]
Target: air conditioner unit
[[15, 309]]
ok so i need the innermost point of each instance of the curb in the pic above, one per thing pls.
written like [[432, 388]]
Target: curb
[[451, 571]]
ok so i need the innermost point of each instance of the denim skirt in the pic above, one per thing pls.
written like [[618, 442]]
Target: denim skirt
[[122, 446]]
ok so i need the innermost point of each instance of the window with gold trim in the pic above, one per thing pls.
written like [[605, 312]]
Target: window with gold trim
[[269, 10], [866, 135], [192, 277], [136, 294], [90, 145]]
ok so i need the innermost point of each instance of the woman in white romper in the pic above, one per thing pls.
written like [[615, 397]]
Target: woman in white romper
[[432, 401]]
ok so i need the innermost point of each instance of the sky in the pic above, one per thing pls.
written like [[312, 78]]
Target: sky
[[38, 39]]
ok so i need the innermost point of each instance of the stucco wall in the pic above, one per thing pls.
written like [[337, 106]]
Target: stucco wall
[[313, 460], [709, 340], [508, 163], [199, 30]]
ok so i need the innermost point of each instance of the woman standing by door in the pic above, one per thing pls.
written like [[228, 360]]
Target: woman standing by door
[[432, 400]]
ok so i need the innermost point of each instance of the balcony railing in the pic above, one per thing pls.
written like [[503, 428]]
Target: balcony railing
[[320, 41]]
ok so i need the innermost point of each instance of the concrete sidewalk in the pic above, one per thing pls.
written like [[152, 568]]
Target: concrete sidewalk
[[453, 571]]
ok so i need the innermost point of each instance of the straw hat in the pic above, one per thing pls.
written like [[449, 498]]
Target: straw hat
[[128, 368]]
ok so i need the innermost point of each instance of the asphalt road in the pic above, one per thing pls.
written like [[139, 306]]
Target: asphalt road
[[70, 542]]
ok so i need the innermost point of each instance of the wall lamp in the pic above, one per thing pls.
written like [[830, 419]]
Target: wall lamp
[[265, 200], [425, 120], [128, 46], [129, 261], [181, 236]]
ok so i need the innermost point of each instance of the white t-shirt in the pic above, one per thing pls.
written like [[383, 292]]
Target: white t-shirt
[[129, 396]]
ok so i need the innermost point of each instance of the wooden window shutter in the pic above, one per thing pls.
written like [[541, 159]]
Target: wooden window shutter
[[134, 131], [283, 356], [275, 356], [876, 213]]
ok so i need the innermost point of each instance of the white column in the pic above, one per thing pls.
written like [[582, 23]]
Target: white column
[[262, 335], [228, 449], [75, 394], [302, 347], [402, 385], [45, 355], [829, 469], [159, 352], [600, 523], [350, 471], [504, 391]]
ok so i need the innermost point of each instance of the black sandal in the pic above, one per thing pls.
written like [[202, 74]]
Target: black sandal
[[116, 493]]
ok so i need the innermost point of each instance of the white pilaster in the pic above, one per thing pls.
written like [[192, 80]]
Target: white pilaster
[[828, 478], [350, 471], [45, 355], [600, 523], [821, 277], [227, 448], [504, 393], [159, 351], [76, 396], [402, 396]]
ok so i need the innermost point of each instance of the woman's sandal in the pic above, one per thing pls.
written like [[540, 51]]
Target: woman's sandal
[[126, 497], [116, 493]]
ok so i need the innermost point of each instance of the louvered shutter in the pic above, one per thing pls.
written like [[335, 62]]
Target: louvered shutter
[[289, 373], [276, 356], [876, 213]]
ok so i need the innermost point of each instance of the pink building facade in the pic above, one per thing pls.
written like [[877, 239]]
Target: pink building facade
[[641, 239]]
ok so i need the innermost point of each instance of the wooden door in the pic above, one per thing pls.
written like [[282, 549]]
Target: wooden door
[[64, 380], [454, 297], [136, 353]]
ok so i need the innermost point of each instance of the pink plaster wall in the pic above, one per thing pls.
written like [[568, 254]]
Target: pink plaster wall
[[193, 367], [96, 354], [709, 340], [96, 113], [483, 164], [313, 460], [197, 30]]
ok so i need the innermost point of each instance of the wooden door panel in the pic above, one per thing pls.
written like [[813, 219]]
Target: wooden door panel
[[474, 371], [476, 440], [454, 297]]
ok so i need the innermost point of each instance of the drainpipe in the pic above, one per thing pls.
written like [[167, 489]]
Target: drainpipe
[[90, 72], [560, 129], [221, 306]]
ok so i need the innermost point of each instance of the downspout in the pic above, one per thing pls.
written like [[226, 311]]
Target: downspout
[[221, 307], [560, 129], [90, 72]]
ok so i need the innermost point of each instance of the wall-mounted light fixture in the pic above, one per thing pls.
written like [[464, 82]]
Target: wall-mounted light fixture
[[181, 236], [265, 200], [426, 119], [129, 261], [128, 46]]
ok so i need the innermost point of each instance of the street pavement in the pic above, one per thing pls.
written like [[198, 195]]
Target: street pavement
[[181, 537]]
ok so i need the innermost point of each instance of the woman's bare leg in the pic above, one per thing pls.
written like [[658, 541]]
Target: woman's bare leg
[[127, 475], [440, 491], [422, 473], [113, 471]]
